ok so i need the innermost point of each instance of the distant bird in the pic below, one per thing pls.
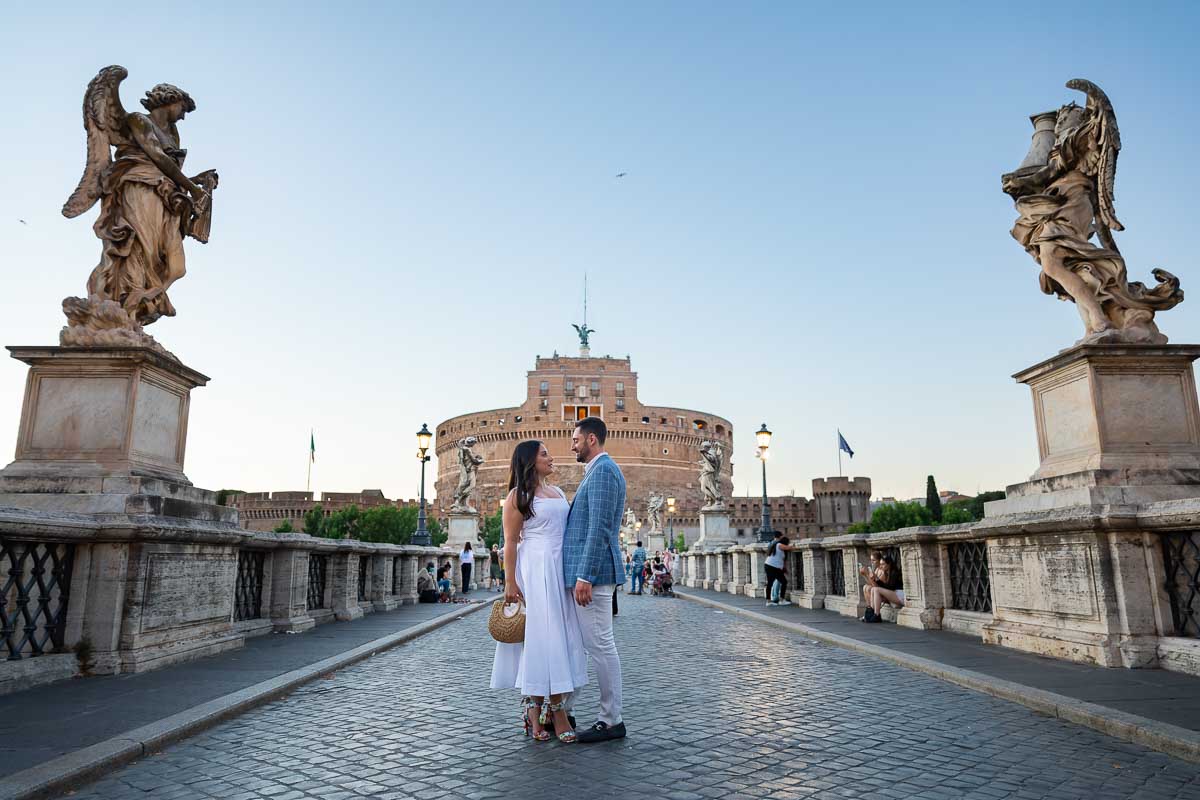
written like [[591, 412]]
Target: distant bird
[[23, 222], [622, 174]]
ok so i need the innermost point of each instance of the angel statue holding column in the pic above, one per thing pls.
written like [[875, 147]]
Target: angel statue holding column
[[1064, 196], [147, 206]]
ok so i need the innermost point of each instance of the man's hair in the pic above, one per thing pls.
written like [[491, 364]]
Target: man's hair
[[639, 544], [593, 425]]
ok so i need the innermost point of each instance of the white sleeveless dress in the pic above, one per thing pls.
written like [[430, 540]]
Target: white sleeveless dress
[[552, 659]]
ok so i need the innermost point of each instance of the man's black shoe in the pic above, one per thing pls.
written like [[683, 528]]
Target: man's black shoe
[[602, 732]]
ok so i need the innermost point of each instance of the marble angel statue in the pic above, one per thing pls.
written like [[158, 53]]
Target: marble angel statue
[[711, 455], [1064, 197], [147, 206], [468, 470], [654, 511]]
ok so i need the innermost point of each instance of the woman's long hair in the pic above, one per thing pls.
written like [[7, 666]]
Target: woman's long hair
[[523, 475]]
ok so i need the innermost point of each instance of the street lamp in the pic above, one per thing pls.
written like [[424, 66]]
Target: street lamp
[[763, 436], [421, 537], [671, 521]]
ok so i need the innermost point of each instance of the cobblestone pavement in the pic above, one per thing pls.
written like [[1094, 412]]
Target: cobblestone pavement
[[717, 707]]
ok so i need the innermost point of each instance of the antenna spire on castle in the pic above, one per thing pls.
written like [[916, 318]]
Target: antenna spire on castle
[[583, 330]]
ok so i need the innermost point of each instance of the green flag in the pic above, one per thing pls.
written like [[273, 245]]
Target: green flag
[[312, 447]]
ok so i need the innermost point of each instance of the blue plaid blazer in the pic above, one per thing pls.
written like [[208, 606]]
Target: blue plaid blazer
[[591, 547]]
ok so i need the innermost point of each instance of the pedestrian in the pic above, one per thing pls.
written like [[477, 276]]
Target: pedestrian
[[426, 585], [637, 564], [628, 569], [445, 588], [669, 558], [495, 575], [466, 560], [776, 575]]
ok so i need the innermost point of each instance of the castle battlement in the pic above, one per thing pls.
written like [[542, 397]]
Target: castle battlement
[[822, 486]]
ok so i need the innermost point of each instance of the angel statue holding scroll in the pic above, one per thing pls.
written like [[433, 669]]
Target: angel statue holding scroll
[[710, 475], [147, 206], [468, 471], [1064, 196]]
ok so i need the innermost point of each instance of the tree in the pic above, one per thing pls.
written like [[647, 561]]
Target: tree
[[342, 524], [933, 501], [284, 527], [436, 533], [493, 530], [383, 524], [314, 520], [893, 516], [680, 543]]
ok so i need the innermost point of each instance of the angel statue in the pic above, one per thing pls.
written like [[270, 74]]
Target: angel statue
[[584, 332], [710, 476], [654, 512], [468, 469], [147, 206], [1064, 194], [631, 520]]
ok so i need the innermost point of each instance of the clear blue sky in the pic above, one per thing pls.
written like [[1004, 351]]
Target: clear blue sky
[[811, 233]]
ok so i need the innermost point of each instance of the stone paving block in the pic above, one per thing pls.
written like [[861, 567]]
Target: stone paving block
[[717, 706]]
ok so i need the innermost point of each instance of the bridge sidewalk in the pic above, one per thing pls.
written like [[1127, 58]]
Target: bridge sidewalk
[[61, 730], [1154, 707]]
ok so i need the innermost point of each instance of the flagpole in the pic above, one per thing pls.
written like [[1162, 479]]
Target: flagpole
[[308, 481]]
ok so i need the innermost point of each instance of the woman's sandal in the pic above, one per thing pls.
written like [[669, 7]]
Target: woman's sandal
[[566, 737], [542, 735]]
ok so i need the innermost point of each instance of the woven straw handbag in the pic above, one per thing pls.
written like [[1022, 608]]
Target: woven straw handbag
[[508, 628]]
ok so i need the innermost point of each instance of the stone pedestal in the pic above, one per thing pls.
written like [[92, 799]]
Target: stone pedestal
[[1116, 425], [656, 542], [99, 412], [463, 528], [714, 530]]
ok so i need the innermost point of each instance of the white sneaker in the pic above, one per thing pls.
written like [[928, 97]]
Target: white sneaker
[[771, 603], [784, 602]]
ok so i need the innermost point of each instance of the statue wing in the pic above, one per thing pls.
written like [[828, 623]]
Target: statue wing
[[104, 120], [1108, 139]]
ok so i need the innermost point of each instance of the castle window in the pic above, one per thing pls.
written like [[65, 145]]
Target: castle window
[[596, 388], [568, 386], [645, 420], [544, 388], [699, 424], [517, 418], [666, 452], [545, 404], [620, 404], [662, 420], [620, 389]]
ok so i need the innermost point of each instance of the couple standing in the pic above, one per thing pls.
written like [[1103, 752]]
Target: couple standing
[[564, 560]]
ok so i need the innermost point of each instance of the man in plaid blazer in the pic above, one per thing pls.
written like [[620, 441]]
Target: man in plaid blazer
[[593, 568]]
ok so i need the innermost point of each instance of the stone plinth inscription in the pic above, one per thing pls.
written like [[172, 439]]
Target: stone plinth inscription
[[186, 588], [1054, 580]]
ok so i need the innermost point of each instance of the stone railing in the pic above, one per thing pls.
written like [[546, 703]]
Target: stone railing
[[1113, 586], [128, 594]]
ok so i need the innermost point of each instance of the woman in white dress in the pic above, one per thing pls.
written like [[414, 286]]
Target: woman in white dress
[[551, 663]]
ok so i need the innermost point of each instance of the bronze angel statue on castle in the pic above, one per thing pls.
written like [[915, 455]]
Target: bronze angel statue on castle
[[147, 206], [1064, 196]]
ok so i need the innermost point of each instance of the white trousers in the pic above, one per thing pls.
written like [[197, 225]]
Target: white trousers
[[596, 624]]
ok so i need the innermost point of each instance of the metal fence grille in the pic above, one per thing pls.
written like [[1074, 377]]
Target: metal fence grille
[[397, 580], [247, 603], [797, 561], [36, 580], [363, 563], [1181, 557], [970, 583], [837, 573], [316, 580]]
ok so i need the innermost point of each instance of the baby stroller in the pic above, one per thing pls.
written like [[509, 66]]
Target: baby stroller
[[662, 584]]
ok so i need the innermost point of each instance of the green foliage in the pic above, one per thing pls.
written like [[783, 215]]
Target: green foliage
[[284, 527], [954, 515], [386, 524], [680, 543], [436, 533], [493, 530], [314, 519], [894, 516], [933, 500], [342, 524]]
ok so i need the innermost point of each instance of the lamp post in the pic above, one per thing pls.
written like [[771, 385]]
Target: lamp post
[[763, 436], [421, 537], [671, 522]]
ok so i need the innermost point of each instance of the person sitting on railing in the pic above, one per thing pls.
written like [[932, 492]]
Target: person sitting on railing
[[873, 573], [426, 585], [445, 587], [884, 590]]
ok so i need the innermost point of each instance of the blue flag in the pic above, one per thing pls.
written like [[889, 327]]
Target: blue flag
[[844, 445]]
